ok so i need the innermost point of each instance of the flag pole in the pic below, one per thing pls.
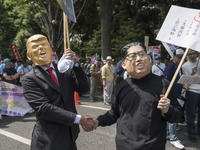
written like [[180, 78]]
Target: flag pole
[[64, 27], [67, 27], [176, 73], [66, 32]]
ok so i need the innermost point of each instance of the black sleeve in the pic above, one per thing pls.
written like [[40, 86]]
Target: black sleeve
[[111, 116], [80, 80]]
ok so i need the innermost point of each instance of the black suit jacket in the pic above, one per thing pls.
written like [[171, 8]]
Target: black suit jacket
[[54, 107]]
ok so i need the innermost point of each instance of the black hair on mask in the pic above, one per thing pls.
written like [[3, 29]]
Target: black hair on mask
[[127, 46]]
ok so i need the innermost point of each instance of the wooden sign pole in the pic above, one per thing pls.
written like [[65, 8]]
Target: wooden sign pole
[[64, 27], [66, 32], [176, 73]]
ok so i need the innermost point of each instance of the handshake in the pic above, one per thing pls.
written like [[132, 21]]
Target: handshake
[[88, 123]]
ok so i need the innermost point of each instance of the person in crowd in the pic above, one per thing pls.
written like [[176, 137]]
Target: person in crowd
[[95, 75], [9, 73], [87, 69], [82, 66], [140, 108], [30, 63], [108, 79], [192, 95], [113, 66], [51, 94], [2, 66], [103, 63], [119, 71], [158, 68], [22, 70], [168, 74], [18, 64], [166, 62]]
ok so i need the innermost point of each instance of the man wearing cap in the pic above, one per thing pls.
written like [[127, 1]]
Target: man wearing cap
[[140, 108], [168, 74], [51, 94], [9, 73], [108, 79], [94, 78], [158, 68]]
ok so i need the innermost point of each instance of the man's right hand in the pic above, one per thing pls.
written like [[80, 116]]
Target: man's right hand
[[88, 123]]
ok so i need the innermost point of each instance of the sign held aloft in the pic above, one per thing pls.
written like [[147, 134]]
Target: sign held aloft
[[181, 27]]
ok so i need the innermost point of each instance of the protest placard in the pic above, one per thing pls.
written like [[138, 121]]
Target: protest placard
[[12, 101], [188, 80], [181, 27]]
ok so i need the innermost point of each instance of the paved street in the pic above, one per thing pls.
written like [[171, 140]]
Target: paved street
[[15, 132]]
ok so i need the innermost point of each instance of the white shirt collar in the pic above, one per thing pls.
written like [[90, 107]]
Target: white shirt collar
[[45, 68]]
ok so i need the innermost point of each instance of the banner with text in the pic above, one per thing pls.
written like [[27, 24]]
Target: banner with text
[[15, 52], [12, 101], [181, 29]]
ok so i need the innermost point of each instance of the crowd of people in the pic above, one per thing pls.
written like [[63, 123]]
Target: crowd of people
[[139, 108], [13, 71]]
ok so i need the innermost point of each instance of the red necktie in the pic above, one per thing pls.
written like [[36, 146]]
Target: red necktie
[[52, 76]]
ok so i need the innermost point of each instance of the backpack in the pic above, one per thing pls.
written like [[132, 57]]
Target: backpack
[[87, 71]]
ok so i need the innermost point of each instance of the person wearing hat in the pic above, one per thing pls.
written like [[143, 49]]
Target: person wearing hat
[[168, 74], [158, 68], [108, 79], [95, 75], [9, 73]]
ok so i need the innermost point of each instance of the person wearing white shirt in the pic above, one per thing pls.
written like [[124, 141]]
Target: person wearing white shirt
[[23, 69], [158, 68], [192, 95]]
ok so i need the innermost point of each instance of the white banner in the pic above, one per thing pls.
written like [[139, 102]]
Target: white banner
[[12, 101], [181, 27]]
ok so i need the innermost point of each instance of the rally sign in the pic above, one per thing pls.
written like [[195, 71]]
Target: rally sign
[[12, 101], [154, 51], [169, 47], [68, 8], [181, 27], [15, 52]]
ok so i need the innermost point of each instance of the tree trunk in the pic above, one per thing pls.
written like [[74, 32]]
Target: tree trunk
[[188, 3], [106, 8]]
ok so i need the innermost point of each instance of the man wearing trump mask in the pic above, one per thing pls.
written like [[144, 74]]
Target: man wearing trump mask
[[51, 94]]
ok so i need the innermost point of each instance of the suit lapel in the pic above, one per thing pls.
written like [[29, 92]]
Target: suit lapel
[[40, 73]]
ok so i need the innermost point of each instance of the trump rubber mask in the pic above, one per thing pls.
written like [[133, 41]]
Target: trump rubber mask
[[39, 50]]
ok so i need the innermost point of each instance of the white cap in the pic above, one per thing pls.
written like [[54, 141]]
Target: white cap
[[108, 58], [179, 52]]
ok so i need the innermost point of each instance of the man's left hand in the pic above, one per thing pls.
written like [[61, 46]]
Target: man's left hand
[[70, 55], [163, 104]]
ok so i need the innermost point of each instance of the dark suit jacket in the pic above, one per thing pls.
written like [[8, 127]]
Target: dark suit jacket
[[54, 107]]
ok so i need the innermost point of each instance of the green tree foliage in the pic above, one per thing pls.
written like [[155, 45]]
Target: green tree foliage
[[131, 21]]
